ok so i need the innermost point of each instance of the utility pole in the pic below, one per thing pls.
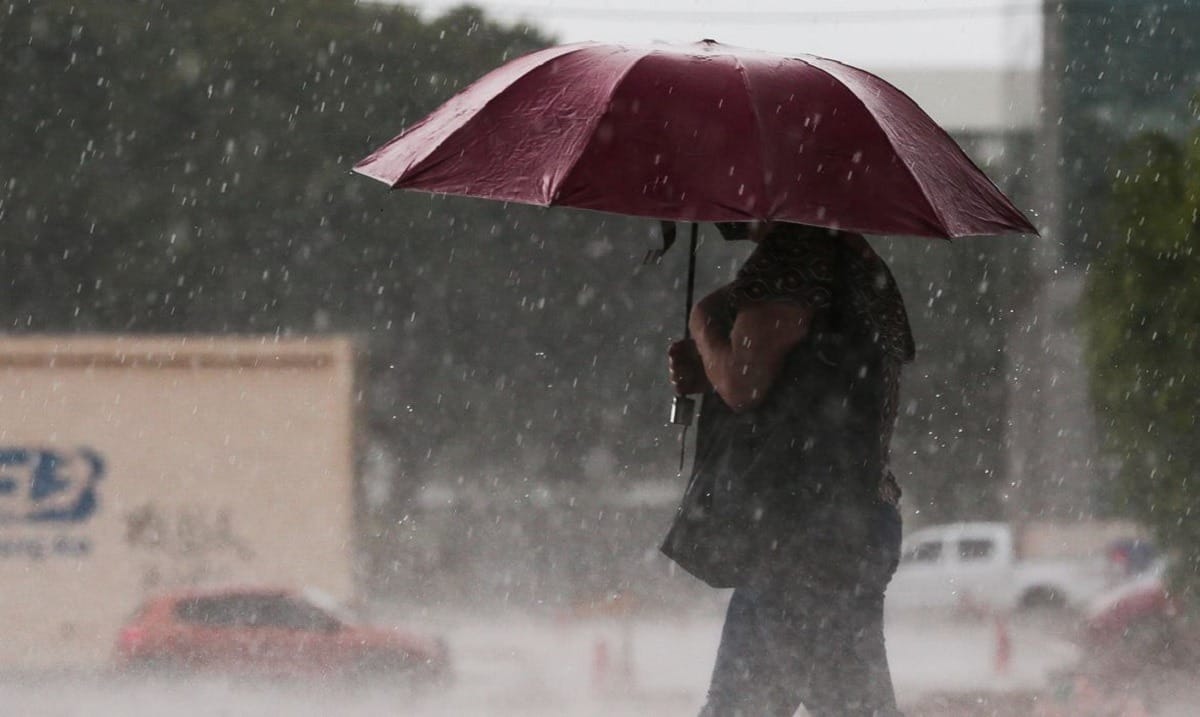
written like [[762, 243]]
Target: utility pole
[[1050, 160], [1051, 430]]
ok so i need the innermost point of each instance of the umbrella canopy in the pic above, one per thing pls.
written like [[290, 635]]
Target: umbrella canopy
[[700, 132]]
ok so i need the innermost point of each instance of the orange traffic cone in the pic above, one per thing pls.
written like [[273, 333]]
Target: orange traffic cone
[[1003, 655], [601, 665]]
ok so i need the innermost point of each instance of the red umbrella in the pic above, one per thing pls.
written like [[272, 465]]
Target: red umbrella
[[701, 132]]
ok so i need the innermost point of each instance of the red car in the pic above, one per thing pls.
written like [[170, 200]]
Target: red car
[[268, 632], [1135, 620]]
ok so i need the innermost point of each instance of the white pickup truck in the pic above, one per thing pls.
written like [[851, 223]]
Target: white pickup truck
[[991, 566]]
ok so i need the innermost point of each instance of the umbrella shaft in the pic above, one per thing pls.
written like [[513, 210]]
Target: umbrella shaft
[[683, 408], [691, 280]]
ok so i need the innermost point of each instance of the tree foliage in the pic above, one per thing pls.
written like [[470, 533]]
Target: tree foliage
[[145, 139], [1142, 311]]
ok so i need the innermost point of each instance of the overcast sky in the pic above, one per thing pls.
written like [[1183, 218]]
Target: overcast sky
[[873, 33]]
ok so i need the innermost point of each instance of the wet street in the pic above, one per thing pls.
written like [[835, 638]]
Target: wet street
[[516, 665]]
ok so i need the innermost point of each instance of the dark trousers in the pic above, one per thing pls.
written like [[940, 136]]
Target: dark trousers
[[810, 641]]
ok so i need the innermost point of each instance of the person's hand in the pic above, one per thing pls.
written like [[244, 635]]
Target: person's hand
[[686, 369]]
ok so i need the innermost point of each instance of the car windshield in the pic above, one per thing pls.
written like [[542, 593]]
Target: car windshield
[[970, 549], [256, 611], [923, 552]]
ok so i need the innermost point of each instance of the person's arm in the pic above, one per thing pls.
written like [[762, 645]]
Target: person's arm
[[686, 367], [743, 363]]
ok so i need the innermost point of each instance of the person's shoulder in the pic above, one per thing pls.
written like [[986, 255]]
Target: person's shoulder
[[795, 268]]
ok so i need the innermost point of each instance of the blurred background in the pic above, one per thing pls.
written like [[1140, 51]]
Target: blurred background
[[228, 362]]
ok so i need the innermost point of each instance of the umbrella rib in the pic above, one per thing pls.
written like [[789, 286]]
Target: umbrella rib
[[591, 127], [762, 150], [423, 163], [909, 170]]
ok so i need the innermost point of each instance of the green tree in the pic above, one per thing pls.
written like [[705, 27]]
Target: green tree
[[1142, 312]]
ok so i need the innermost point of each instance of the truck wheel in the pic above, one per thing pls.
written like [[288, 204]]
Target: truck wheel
[[1042, 599]]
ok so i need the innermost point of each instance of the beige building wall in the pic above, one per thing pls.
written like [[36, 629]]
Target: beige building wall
[[130, 466]]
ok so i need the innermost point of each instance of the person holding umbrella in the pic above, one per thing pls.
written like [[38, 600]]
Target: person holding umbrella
[[790, 501]]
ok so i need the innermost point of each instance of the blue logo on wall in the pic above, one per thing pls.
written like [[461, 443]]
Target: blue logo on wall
[[50, 486]]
